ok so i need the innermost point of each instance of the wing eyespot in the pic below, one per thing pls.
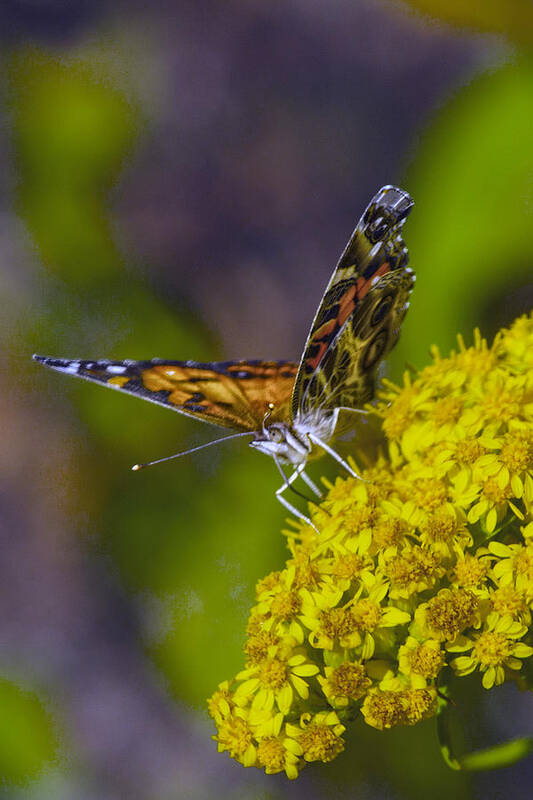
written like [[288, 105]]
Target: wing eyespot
[[381, 310]]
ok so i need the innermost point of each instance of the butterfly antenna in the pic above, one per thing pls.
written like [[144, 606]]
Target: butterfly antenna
[[137, 467], [268, 413]]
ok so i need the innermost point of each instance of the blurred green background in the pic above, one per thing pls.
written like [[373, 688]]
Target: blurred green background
[[178, 181]]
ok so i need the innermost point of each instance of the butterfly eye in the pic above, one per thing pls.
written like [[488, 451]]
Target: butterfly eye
[[276, 435]]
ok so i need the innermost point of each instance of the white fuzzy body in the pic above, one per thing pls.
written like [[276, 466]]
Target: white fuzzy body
[[291, 444]]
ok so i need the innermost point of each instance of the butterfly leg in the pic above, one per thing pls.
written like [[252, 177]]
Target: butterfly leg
[[293, 510], [312, 485], [298, 472], [287, 485], [333, 453]]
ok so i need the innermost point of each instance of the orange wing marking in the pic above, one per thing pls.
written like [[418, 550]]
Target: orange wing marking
[[365, 284], [118, 381]]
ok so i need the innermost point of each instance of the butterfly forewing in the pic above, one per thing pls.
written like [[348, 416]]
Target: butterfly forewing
[[232, 394], [375, 249]]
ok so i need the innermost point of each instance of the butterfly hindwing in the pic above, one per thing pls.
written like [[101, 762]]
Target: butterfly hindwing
[[374, 250], [232, 394], [347, 372]]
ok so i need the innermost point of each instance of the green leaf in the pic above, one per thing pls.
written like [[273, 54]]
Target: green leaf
[[501, 755], [451, 740], [473, 198]]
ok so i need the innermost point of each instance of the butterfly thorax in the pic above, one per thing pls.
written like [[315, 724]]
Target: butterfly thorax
[[290, 442]]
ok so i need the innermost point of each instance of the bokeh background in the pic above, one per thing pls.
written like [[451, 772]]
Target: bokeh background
[[177, 179]]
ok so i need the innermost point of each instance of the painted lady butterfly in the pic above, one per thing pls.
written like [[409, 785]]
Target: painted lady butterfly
[[294, 411]]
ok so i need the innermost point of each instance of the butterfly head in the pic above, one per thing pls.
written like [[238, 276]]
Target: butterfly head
[[280, 441]]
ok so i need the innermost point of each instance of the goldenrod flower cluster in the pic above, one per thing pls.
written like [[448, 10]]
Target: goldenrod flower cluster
[[422, 568]]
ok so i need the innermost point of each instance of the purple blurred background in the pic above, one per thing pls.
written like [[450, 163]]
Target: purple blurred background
[[258, 133]]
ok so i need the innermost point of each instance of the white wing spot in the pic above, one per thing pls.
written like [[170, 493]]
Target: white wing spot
[[115, 369], [73, 367]]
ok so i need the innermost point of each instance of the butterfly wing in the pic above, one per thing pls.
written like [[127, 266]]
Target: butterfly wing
[[232, 394], [374, 250], [347, 373]]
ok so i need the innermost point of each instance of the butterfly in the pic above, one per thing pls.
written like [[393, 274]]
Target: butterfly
[[294, 411]]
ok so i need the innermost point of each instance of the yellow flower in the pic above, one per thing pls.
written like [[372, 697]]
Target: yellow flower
[[422, 567], [412, 570], [372, 618], [494, 649], [513, 346], [516, 458], [275, 679], [421, 661], [259, 644], [221, 703], [506, 600], [274, 756], [276, 752], [470, 572], [319, 736], [280, 602], [514, 564], [236, 736], [387, 709], [403, 407], [492, 503], [344, 684], [447, 614], [444, 529], [345, 568], [329, 623]]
